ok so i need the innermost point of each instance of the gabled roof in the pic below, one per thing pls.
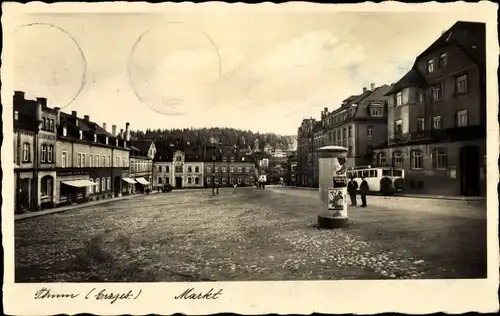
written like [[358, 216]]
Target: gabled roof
[[411, 79], [469, 36], [141, 145]]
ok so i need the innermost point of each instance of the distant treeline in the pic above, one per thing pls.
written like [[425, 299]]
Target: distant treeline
[[226, 136]]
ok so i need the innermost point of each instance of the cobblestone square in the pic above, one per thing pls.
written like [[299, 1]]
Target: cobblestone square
[[249, 234]]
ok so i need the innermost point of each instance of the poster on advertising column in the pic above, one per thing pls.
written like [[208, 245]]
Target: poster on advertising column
[[337, 194]]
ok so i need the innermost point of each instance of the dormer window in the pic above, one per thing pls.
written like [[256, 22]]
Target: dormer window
[[442, 60], [106, 140], [376, 111], [116, 142], [16, 115], [65, 130], [95, 138], [81, 134]]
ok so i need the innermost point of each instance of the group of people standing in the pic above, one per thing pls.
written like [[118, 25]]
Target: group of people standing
[[352, 190]]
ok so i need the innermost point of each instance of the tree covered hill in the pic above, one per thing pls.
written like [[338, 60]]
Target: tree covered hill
[[225, 136]]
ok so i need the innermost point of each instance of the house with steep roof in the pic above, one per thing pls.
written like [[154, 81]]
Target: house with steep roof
[[436, 127]]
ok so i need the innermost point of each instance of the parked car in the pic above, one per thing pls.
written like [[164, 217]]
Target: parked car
[[167, 188]]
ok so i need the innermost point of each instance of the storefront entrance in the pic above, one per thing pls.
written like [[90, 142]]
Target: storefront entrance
[[469, 171], [178, 182]]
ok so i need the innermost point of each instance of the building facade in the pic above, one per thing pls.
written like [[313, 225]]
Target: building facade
[[142, 153], [91, 162], [437, 117], [227, 166], [178, 166], [305, 151]]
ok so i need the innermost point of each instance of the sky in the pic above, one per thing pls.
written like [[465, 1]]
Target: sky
[[194, 66]]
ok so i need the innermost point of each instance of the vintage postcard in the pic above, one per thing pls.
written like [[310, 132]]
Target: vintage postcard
[[250, 158]]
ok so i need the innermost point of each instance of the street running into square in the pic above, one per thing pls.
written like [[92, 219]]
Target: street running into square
[[248, 234]]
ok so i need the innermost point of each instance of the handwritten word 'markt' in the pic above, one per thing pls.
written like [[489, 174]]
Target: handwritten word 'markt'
[[189, 294]]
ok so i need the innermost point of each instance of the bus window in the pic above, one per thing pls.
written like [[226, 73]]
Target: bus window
[[397, 173], [373, 173], [349, 174], [386, 173], [365, 174]]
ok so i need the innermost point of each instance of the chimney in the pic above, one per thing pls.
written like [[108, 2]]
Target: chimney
[[326, 110], [121, 133], [104, 126], [19, 95], [113, 130], [372, 86], [58, 119], [42, 101], [127, 131], [86, 118], [39, 112], [364, 89], [74, 113]]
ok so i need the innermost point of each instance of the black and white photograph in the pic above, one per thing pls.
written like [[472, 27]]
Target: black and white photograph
[[223, 154]]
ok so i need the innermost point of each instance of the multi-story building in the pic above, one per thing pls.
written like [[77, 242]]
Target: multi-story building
[[227, 166], [291, 170], [35, 142], [359, 124], [91, 163], [142, 153], [305, 150], [178, 166], [437, 116]]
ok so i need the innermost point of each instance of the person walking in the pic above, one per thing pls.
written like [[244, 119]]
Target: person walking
[[352, 189], [363, 188]]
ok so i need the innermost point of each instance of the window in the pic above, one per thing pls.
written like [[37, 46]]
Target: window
[[216, 169], [96, 161], [103, 184], [81, 134], [91, 160], [398, 126], [44, 123], [167, 169], [437, 92], [420, 124], [123, 162], [381, 159], [462, 84], [397, 160], [232, 159], [97, 185], [109, 161], [91, 187], [196, 169], [83, 161], [416, 160], [50, 151], [117, 161], [51, 125], [399, 98], [159, 180], [439, 158], [247, 169], [231, 169], [64, 159], [369, 131], [109, 183], [159, 169], [208, 180], [350, 132], [462, 118], [208, 169], [430, 66], [442, 60], [232, 181], [376, 112], [436, 122], [239, 180], [239, 169], [196, 180], [103, 162], [224, 169], [26, 152], [224, 180], [178, 158], [167, 180], [420, 96], [43, 156], [190, 169], [224, 159]]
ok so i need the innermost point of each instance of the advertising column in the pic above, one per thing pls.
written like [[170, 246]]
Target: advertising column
[[333, 186]]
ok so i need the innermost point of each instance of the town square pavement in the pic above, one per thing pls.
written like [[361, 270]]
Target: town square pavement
[[251, 234]]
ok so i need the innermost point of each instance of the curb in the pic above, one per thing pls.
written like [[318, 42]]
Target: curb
[[423, 196], [70, 208]]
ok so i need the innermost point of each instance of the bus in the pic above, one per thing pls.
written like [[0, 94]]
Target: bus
[[385, 180]]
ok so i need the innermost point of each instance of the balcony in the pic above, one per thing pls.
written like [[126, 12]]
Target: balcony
[[439, 135]]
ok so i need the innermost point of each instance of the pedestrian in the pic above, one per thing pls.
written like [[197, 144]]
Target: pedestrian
[[363, 188], [352, 189]]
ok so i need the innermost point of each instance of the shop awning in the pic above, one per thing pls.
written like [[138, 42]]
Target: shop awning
[[142, 181], [79, 183], [129, 180]]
